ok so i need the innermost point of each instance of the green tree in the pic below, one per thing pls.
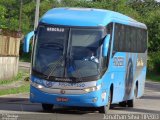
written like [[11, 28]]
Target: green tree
[[146, 11]]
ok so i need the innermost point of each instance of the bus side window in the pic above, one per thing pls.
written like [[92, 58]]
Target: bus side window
[[129, 39], [140, 41], [144, 40], [132, 40], [122, 41], [116, 38]]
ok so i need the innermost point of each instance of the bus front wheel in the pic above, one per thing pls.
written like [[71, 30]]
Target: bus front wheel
[[47, 107]]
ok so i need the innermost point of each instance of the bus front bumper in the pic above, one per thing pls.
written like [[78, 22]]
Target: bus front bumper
[[91, 99]]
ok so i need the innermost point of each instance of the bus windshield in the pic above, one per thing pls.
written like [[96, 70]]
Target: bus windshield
[[67, 52]]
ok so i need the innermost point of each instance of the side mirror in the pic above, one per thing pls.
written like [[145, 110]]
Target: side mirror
[[106, 45], [27, 40]]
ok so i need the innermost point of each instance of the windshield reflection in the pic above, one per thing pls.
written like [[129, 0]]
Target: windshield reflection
[[68, 52]]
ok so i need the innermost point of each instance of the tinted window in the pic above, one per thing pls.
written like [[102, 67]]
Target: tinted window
[[129, 39], [105, 60], [50, 39]]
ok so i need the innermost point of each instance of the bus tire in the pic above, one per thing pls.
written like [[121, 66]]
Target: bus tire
[[47, 107], [105, 109], [123, 104], [130, 103]]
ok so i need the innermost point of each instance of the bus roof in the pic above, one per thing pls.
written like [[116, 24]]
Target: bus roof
[[87, 17]]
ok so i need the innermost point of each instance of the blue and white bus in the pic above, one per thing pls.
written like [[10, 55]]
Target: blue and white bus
[[88, 58]]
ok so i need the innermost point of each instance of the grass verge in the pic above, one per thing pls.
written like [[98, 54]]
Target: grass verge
[[19, 76], [153, 76], [23, 89], [25, 57]]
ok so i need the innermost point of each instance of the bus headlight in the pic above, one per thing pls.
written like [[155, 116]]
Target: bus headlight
[[39, 86], [91, 89]]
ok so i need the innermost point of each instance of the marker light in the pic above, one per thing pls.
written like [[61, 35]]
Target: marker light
[[94, 99], [32, 95], [91, 89], [103, 96]]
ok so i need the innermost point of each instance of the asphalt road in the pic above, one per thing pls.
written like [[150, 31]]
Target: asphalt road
[[19, 108]]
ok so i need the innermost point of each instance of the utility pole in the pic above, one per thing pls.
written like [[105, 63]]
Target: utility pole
[[36, 14]]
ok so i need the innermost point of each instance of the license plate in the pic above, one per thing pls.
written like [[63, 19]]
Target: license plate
[[59, 99]]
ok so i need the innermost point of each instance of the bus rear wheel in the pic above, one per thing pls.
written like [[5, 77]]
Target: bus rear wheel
[[47, 107], [105, 109], [123, 104], [129, 103]]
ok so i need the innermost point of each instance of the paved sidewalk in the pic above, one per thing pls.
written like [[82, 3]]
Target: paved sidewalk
[[24, 64]]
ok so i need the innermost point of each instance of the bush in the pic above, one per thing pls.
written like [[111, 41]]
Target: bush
[[25, 57], [154, 62]]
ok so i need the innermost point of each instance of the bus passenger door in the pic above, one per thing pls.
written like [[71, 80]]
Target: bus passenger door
[[117, 64], [118, 75]]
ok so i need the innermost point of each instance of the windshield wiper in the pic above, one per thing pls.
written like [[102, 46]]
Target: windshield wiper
[[39, 74], [53, 66]]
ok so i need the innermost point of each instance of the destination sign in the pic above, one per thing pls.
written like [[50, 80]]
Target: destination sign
[[54, 29]]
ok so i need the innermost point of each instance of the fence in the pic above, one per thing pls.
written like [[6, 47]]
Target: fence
[[9, 56]]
